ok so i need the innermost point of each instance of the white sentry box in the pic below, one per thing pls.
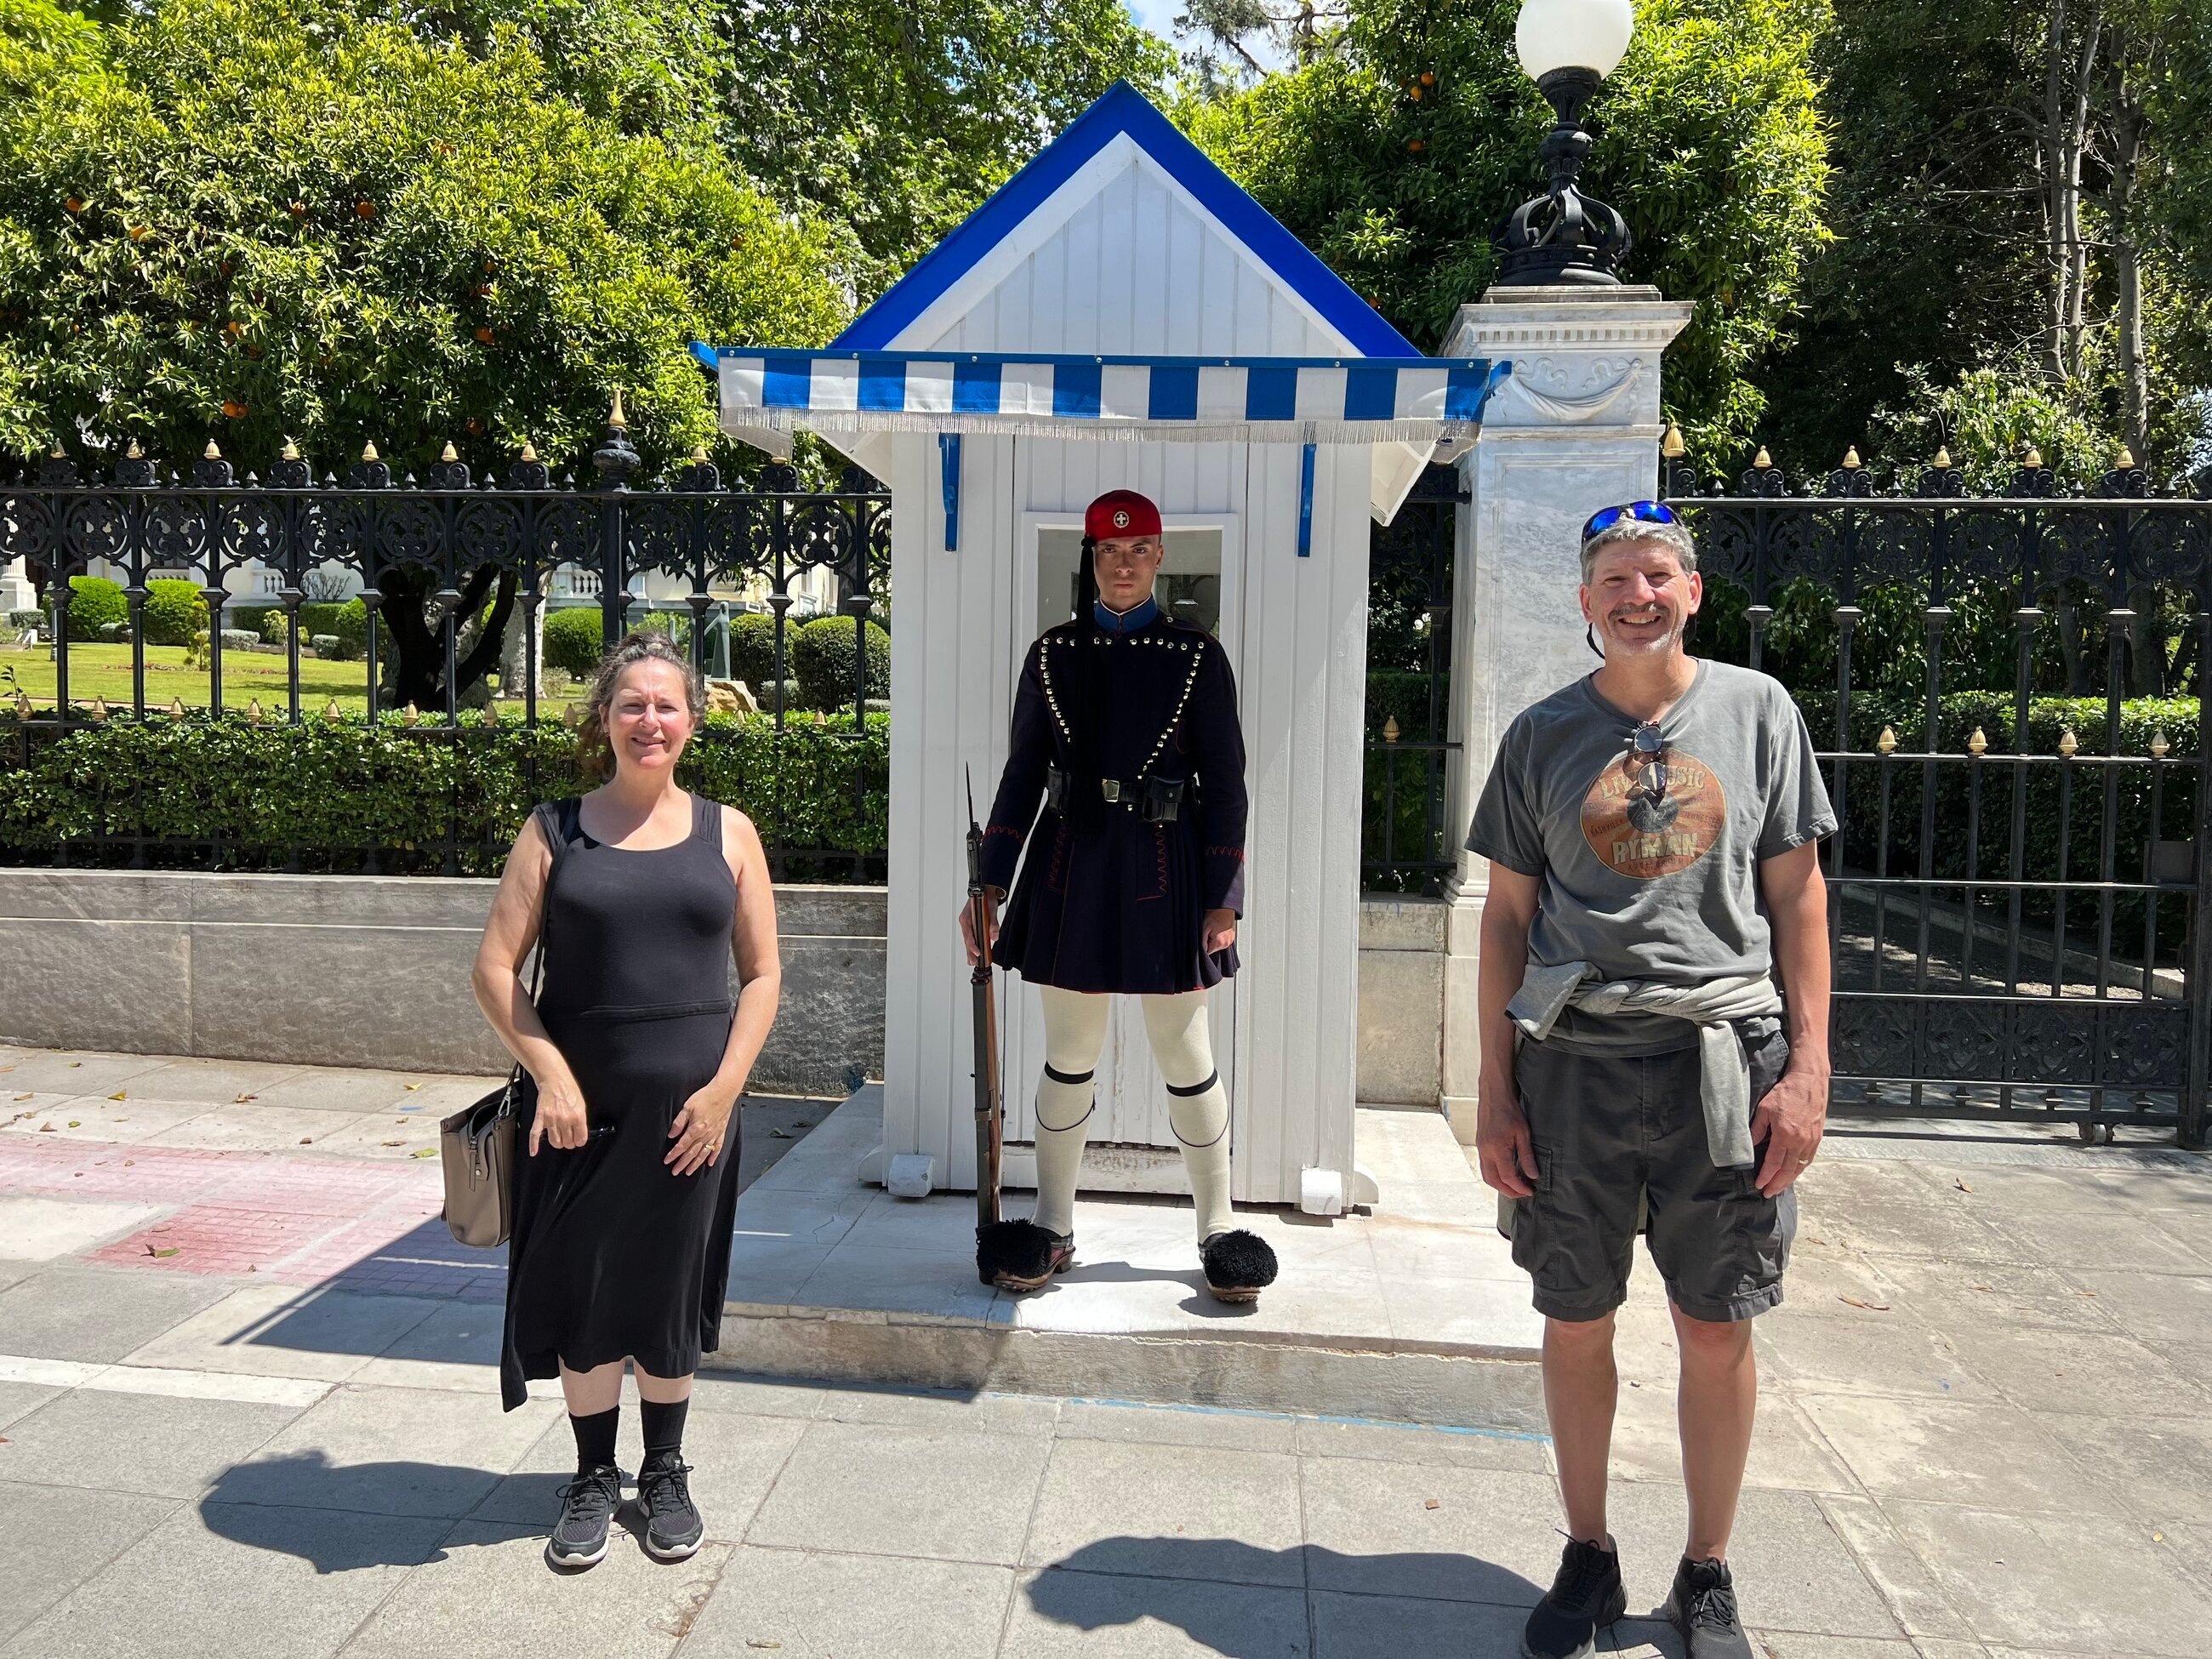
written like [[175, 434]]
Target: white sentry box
[[1121, 314]]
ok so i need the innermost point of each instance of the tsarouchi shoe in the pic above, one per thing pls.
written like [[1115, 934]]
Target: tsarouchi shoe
[[1238, 1265], [1020, 1256]]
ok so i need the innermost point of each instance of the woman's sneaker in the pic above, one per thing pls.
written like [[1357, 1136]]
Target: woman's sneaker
[[672, 1526], [1702, 1606], [1586, 1594], [588, 1507]]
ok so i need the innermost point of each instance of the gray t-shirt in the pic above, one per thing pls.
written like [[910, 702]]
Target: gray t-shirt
[[1652, 885]]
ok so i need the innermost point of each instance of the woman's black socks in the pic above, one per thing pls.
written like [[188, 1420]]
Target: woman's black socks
[[664, 1429], [595, 1437]]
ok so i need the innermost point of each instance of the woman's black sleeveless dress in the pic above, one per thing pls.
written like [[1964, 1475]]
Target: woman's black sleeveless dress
[[613, 1254]]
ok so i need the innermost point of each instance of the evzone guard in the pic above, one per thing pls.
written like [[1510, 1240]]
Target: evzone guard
[[1132, 880]]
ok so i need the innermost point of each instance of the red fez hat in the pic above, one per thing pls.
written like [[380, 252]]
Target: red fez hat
[[1120, 514]]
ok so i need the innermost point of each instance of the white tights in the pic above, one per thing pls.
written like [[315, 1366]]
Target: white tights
[[1075, 1032]]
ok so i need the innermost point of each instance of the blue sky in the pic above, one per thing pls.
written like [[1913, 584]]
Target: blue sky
[[1159, 15]]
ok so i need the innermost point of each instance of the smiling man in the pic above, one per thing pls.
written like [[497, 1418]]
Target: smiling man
[[1653, 835]]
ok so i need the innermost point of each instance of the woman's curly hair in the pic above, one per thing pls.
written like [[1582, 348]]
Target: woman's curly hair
[[594, 754]]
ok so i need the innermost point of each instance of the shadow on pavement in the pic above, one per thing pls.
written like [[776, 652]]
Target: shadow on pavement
[[343, 1517], [1206, 1587]]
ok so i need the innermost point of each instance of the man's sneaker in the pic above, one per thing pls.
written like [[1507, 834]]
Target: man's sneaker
[[587, 1505], [672, 1526], [1702, 1606], [1586, 1594]]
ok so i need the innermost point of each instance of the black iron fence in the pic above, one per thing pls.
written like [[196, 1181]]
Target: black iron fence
[[1406, 846], [415, 734], [2006, 696]]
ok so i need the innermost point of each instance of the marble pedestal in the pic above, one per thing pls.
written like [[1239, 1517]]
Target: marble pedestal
[[1576, 429]]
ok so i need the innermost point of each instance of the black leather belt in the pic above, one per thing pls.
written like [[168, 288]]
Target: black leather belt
[[1156, 800]]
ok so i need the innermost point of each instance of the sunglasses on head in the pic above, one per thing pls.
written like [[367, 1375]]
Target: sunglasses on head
[[1641, 512]]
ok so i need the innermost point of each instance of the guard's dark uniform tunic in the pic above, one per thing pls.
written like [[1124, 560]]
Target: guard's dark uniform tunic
[[1122, 908]]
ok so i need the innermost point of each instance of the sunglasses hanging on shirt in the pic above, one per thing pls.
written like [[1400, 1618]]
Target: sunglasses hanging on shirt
[[1650, 748]]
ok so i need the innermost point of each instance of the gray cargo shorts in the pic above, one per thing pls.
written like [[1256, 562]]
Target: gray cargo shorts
[[1614, 1133]]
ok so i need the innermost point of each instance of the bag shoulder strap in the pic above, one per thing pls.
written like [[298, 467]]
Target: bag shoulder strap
[[558, 822]]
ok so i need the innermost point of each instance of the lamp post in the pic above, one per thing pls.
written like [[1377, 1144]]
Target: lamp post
[[1563, 237]]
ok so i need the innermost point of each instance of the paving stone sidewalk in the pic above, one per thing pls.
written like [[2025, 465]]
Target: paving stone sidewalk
[[246, 1408]]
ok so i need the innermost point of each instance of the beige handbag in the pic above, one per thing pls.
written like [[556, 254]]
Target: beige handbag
[[475, 1144]]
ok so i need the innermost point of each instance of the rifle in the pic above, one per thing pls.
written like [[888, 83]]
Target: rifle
[[989, 1107]]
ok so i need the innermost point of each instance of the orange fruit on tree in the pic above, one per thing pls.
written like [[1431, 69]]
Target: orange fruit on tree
[[234, 409]]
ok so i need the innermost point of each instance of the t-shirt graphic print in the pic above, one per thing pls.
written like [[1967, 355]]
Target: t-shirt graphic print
[[1646, 818]]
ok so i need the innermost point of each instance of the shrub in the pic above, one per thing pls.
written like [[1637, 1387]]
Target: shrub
[[676, 625], [35, 621], [820, 655], [239, 639], [112, 633], [251, 616], [332, 791], [576, 639], [347, 623], [328, 647], [752, 649], [94, 600], [273, 627], [175, 610]]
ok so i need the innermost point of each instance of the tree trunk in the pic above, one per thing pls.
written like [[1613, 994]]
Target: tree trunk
[[2052, 157], [2070, 649], [2077, 139]]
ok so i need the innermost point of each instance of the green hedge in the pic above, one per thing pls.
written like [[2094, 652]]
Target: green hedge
[[332, 789], [752, 649], [95, 601], [576, 639], [175, 611], [821, 657]]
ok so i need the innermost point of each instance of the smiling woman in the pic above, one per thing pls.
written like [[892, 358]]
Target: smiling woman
[[634, 1060]]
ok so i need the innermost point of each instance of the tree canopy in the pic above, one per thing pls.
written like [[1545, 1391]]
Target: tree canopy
[[1396, 147], [257, 219]]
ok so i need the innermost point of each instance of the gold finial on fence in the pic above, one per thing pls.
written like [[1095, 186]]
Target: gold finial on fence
[[1851, 462], [99, 707], [1390, 729], [210, 453], [253, 711], [1762, 461], [134, 453], [529, 450], [1978, 744], [2125, 461], [615, 415], [23, 710], [58, 453], [1942, 457], [410, 714], [368, 452], [2068, 743], [1672, 446], [2033, 458], [2159, 745], [1887, 743], [330, 710], [450, 453], [176, 708], [698, 454], [291, 451]]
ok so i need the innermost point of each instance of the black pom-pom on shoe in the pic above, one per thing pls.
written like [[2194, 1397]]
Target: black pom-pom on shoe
[[1020, 1256], [1238, 1265]]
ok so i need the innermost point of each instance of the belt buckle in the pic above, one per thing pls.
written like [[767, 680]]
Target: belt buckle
[[1110, 787]]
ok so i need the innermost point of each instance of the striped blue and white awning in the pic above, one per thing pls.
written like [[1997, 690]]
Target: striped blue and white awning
[[1343, 400]]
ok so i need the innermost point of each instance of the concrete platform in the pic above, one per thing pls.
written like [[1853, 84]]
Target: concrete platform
[[1413, 1312]]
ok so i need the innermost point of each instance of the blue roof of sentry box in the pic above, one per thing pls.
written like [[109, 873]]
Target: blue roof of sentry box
[[1123, 110]]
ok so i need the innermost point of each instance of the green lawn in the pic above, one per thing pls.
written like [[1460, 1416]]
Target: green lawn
[[103, 671]]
